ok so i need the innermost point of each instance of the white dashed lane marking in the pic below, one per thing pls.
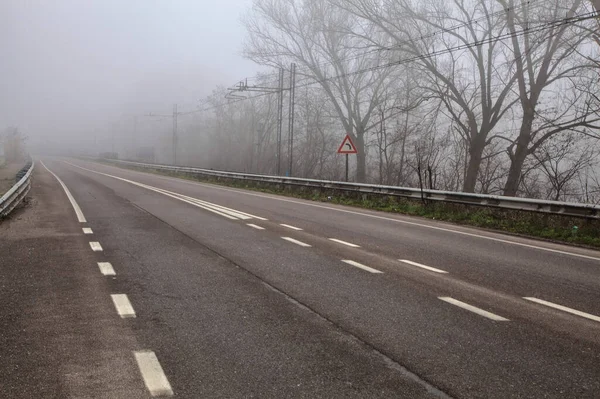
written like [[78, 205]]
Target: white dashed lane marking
[[473, 309], [379, 217], [302, 244], [154, 377], [106, 269], [344, 243], [96, 247], [87, 230], [563, 308], [291, 227], [255, 226], [123, 306], [361, 266], [431, 269]]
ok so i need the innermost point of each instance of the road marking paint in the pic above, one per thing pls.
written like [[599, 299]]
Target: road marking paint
[[432, 269], [310, 204], [406, 222], [344, 243], [361, 266], [291, 227], [87, 230], [74, 204], [106, 269], [218, 209], [123, 306], [302, 244], [154, 377], [563, 308], [473, 309], [255, 226], [95, 245]]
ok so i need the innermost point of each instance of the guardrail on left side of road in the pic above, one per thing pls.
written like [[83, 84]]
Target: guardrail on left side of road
[[15, 195]]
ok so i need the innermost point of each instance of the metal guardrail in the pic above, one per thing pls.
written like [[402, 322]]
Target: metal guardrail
[[589, 211], [15, 195]]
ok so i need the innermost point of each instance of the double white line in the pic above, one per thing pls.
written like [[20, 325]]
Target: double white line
[[209, 206]]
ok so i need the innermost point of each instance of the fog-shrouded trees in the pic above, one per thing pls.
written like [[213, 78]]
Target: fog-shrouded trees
[[461, 60], [12, 141], [495, 64], [319, 37], [549, 65], [488, 96]]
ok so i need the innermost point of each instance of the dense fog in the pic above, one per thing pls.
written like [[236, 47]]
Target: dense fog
[[487, 96]]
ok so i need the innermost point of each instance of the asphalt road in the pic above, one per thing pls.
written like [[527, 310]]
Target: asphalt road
[[242, 294]]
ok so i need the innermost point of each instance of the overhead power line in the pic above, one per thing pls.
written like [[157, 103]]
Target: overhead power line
[[306, 70], [508, 35]]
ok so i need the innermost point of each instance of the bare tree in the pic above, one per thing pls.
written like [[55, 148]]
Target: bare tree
[[464, 64], [560, 161], [315, 35], [543, 58], [13, 141]]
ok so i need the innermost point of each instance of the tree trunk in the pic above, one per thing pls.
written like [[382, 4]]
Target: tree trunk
[[361, 157], [475, 154], [516, 166]]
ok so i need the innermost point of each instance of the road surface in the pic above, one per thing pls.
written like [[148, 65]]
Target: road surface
[[198, 291]]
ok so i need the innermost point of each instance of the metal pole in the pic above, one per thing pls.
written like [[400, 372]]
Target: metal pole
[[133, 152], [175, 134], [346, 167], [279, 120], [291, 116], [114, 127]]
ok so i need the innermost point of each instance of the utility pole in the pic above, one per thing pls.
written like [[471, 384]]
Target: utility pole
[[279, 119], [175, 114], [114, 127], [291, 117], [133, 137], [243, 86]]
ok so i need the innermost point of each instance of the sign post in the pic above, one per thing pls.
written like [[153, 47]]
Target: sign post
[[347, 148]]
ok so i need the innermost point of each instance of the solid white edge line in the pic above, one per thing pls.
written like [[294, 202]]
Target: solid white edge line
[[344, 243], [106, 269], [152, 373], [563, 308], [302, 244], [472, 308], [123, 306], [291, 227], [74, 204], [87, 230], [361, 266], [255, 226], [96, 247], [432, 269], [218, 209]]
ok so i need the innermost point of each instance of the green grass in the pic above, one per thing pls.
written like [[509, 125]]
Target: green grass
[[565, 229]]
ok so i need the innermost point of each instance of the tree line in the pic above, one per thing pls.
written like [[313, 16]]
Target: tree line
[[488, 96]]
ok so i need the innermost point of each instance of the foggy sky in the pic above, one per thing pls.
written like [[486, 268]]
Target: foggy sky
[[71, 66]]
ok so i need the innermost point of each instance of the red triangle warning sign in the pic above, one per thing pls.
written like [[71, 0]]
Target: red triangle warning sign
[[347, 146]]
